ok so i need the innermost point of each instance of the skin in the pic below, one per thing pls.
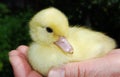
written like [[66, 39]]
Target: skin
[[106, 66], [20, 63]]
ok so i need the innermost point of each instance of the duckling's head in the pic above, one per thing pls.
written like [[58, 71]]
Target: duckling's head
[[48, 26]]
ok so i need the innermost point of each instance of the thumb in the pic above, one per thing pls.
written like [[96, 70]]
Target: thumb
[[107, 66], [69, 70]]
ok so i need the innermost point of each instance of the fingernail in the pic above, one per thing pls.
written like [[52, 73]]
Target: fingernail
[[57, 72]]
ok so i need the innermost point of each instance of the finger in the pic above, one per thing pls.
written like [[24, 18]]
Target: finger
[[20, 65], [23, 49]]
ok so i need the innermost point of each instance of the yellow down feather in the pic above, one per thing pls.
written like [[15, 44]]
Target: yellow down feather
[[47, 26]]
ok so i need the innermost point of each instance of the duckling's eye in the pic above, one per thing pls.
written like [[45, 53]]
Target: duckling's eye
[[48, 29]]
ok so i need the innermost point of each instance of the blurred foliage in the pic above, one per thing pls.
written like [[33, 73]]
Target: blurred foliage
[[13, 32], [3, 8], [101, 15]]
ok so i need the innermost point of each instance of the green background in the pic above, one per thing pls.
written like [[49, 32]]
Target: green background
[[100, 15]]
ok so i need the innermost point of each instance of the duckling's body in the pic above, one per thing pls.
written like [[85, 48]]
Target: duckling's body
[[61, 44]]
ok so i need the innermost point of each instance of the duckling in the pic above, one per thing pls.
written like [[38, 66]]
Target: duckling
[[55, 43]]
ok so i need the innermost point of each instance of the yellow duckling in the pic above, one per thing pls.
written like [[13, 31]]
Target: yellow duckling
[[55, 43]]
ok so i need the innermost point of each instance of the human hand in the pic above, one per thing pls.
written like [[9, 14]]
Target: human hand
[[20, 63], [107, 66]]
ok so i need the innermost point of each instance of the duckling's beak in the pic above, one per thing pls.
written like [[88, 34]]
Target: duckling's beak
[[63, 44]]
